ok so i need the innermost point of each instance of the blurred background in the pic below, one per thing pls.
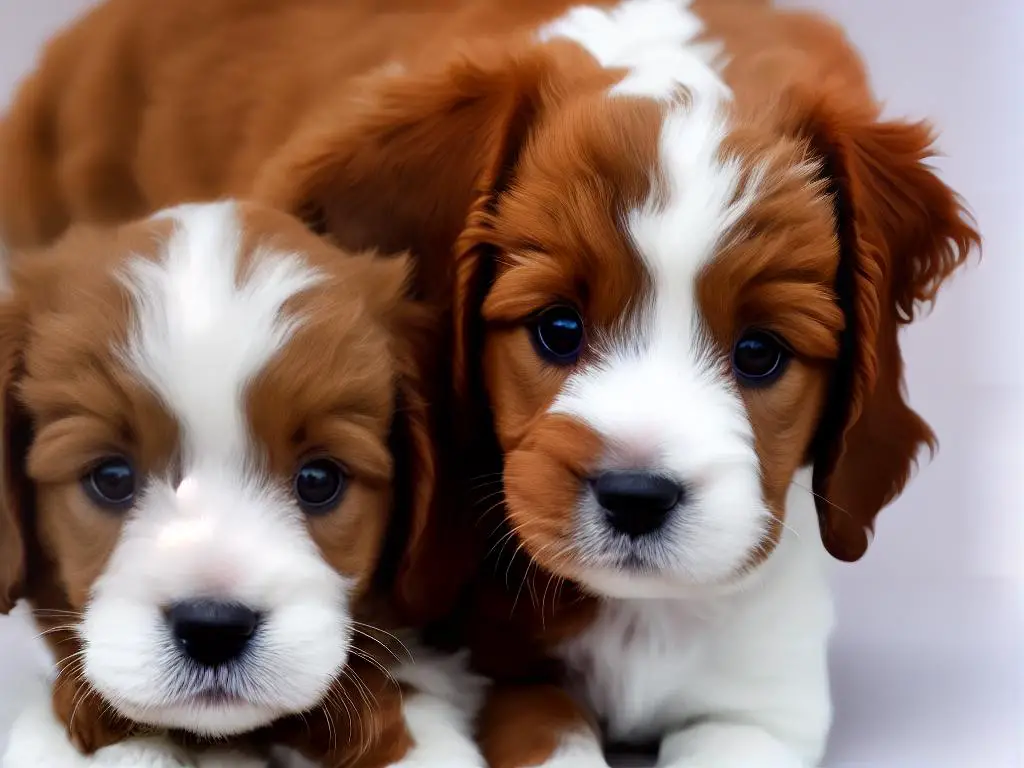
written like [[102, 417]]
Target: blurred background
[[928, 660]]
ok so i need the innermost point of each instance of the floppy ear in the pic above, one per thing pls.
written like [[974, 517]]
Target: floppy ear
[[402, 166], [15, 490], [902, 233], [416, 162], [424, 562]]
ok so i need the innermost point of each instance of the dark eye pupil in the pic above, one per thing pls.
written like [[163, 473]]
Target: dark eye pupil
[[318, 484], [113, 482], [758, 356], [559, 333]]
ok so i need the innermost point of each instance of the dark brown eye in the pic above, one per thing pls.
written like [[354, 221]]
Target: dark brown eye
[[111, 483], [558, 334], [759, 358], [319, 485]]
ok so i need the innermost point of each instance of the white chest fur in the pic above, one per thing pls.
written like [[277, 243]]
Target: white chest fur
[[648, 667]]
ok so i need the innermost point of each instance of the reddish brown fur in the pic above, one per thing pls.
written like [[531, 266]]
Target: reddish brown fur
[[69, 402], [498, 162], [542, 715]]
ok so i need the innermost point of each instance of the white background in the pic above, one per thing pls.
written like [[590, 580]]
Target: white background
[[929, 657]]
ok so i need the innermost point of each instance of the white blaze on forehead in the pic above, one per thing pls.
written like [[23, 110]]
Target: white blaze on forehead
[[656, 40], [696, 200], [658, 389], [202, 331], [203, 328]]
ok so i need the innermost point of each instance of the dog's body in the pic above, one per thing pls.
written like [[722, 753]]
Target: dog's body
[[207, 417], [676, 242], [133, 108]]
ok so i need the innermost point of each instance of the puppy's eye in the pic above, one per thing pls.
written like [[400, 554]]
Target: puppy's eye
[[558, 334], [111, 483], [759, 358], [319, 485]]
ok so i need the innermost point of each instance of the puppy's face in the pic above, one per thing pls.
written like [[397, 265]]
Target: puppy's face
[[676, 281], [658, 348], [209, 395]]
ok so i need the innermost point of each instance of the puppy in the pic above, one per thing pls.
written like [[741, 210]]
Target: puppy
[[678, 241], [217, 481]]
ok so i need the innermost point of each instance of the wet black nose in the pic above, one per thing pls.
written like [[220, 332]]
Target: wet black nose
[[212, 633], [636, 503]]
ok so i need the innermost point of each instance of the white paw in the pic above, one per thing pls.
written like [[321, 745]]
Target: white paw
[[38, 739], [139, 753], [439, 761], [577, 750], [221, 758]]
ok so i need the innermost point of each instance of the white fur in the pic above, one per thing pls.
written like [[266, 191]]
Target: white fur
[[578, 750], [751, 658], [202, 330], [658, 394], [654, 39], [38, 740], [726, 672], [440, 711]]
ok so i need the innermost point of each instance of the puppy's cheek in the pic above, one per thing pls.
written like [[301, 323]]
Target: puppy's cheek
[[307, 646], [520, 386], [545, 479], [351, 537], [125, 648]]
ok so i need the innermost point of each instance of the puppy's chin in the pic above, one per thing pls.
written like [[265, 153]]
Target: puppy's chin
[[640, 584], [210, 719], [296, 654]]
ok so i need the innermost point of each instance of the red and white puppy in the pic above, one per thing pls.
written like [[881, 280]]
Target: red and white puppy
[[679, 242], [208, 418]]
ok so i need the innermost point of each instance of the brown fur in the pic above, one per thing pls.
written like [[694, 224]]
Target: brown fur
[[497, 161], [69, 401], [542, 716]]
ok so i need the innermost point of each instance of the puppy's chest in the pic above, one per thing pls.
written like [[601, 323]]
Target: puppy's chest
[[642, 667]]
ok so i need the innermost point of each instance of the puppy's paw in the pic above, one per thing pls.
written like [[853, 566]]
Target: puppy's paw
[[224, 758], [148, 752], [38, 738], [438, 761]]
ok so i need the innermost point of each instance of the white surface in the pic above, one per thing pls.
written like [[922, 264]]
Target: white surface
[[929, 658]]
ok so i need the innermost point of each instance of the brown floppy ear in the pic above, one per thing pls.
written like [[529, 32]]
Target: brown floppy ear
[[403, 165], [15, 489], [424, 564], [902, 233], [415, 163]]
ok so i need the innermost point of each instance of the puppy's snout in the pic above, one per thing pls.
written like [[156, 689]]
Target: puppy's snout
[[212, 633], [636, 502]]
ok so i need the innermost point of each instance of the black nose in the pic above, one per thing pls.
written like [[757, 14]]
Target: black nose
[[212, 633], [636, 503]]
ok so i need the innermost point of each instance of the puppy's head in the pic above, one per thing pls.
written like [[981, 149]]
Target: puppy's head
[[669, 295], [200, 437]]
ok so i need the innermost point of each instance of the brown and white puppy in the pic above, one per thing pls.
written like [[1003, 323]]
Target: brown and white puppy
[[679, 242], [216, 441]]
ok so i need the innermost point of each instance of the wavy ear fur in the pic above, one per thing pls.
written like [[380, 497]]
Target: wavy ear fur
[[422, 567], [902, 233], [15, 489], [416, 165], [417, 162]]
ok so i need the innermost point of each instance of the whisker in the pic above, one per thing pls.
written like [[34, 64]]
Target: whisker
[[356, 628], [817, 495]]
